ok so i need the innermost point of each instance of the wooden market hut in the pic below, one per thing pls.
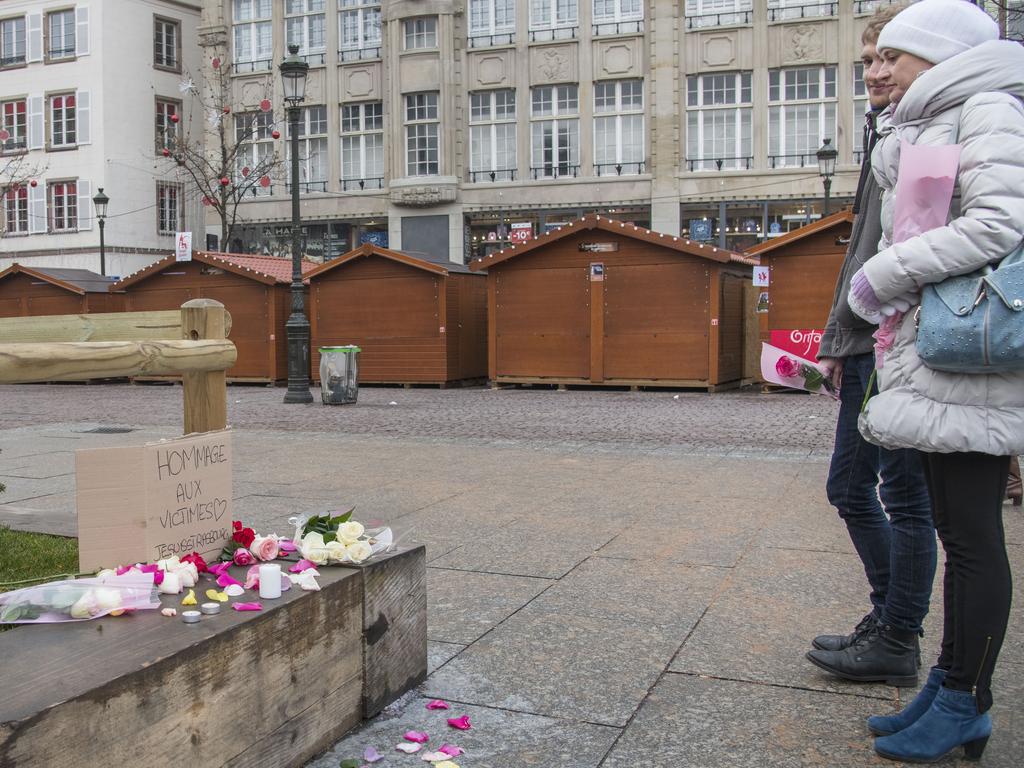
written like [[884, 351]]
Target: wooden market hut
[[34, 291], [803, 268], [416, 320], [599, 301], [254, 289]]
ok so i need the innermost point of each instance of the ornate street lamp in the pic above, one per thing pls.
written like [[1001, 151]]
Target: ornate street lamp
[[100, 201], [827, 155], [293, 77]]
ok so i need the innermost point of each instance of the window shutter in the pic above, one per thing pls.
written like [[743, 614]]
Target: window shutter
[[36, 126], [37, 209], [35, 37], [82, 117], [82, 30], [85, 216]]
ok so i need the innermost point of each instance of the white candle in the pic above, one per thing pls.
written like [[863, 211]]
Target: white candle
[[270, 581]]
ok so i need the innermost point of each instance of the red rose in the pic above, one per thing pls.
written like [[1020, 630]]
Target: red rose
[[197, 560], [243, 536]]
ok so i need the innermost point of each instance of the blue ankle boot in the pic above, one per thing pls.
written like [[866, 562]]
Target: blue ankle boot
[[886, 725], [950, 722]]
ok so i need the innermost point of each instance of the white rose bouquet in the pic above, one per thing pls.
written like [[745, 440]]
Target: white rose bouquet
[[337, 539]]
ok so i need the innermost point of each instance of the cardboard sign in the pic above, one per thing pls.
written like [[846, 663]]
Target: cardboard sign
[[143, 503], [804, 342], [762, 276], [183, 246]]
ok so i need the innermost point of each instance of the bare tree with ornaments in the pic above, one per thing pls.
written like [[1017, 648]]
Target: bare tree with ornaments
[[238, 160], [17, 175]]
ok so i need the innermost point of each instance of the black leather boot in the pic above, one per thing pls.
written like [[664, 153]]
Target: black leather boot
[[881, 655], [838, 642]]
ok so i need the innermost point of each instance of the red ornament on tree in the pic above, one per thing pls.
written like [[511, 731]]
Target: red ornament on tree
[[265, 105], [224, 181], [227, 110], [175, 118], [215, 63], [275, 133], [206, 201], [245, 171], [4, 135], [264, 181], [166, 152], [33, 183]]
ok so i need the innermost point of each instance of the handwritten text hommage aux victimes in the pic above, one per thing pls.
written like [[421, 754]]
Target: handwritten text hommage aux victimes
[[184, 467]]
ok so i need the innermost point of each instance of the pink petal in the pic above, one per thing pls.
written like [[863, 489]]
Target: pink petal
[[301, 566], [371, 755], [219, 568], [158, 577], [451, 750], [248, 606], [123, 570], [462, 723], [224, 580], [408, 748], [287, 545], [149, 568], [434, 757], [252, 578], [418, 736], [437, 704]]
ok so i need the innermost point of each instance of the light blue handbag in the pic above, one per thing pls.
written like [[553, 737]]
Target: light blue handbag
[[975, 323]]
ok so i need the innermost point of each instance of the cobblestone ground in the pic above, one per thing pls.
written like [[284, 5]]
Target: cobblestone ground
[[720, 424]]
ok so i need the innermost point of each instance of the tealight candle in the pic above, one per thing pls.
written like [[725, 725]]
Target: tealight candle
[[210, 608], [191, 617], [270, 581]]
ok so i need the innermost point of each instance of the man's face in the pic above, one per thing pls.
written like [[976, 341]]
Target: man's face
[[878, 83]]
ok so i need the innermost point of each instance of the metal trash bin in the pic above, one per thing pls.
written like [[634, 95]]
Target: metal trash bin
[[339, 374]]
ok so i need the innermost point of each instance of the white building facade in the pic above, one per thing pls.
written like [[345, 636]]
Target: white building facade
[[87, 93]]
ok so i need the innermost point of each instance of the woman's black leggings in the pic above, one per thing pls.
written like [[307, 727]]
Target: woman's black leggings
[[967, 491]]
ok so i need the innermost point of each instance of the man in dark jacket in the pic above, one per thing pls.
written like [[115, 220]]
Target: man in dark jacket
[[880, 494]]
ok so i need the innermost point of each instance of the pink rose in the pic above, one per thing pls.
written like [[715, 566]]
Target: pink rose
[[242, 557], [787, 367], [265, 548]]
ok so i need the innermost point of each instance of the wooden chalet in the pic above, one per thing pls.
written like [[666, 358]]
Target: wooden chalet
[[32, 291]]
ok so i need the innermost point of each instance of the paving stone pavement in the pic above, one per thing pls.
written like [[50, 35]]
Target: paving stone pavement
[[614, 578]]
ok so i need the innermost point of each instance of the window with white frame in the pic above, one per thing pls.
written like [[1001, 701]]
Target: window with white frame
[[619, 127], [421, 127], [801, 114], [491, 22], [63, 200], [362, 146], [13, 126], [168, 208], [782, 10], [167, 43], [555, 131], [718, 120], [718, 13], [255, 141], [612, 17], [861, 105], [312, 149], [305, 26], [16, 209], [168, 113], [60, 35], [492, 135], [359, 36], [12, 42], [420, 33], [553, 19], [62, 120], [252, 34]]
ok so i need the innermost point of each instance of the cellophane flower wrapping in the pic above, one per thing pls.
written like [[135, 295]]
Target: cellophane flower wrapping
[[79, 599]]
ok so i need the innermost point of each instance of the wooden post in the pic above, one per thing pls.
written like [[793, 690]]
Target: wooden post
[[206, 392], [596, 329]]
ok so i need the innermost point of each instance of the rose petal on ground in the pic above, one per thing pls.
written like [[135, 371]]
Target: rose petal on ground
[[252, 577], [446, 764], [301, 566], [437, 704], [287, 545], [408, 748], [219, 568], [190, 598], [420, 737], [223, 580], [234, 590], [168, 612], [371, 755], [433, 757], [248, 606], [451, 750], [462, 723], [213, 594]]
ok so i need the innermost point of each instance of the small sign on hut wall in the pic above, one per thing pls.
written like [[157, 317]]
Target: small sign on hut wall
[[183, 246], [762, 277], [598, 247], [147, 502], [596, 272]]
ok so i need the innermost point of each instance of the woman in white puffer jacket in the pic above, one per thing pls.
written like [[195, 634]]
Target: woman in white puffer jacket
[[953, 78]]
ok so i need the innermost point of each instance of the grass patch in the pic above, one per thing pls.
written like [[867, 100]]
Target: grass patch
[[34, 556]]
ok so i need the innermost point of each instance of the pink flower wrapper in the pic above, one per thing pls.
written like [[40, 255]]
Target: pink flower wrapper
[[248, 606]]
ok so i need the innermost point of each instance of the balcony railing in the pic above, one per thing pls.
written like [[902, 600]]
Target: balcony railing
[[558, 33], [358, 185], [261, 65], [730, 19], [315, 59], [12, 145], [307, 186], [719, 163], [554, 171], [618, 28], [358, 54], [12, 61], [864, 7], [486, 41], [858, 156], [805, 11], [61, 53], [619, 169], [793, 161], [498, 174]]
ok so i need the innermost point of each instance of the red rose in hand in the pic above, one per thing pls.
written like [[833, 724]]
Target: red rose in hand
[[787, 367]]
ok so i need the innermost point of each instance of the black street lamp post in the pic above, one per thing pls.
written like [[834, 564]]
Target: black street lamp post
[[827, 155], [293, 75], [100, 201]]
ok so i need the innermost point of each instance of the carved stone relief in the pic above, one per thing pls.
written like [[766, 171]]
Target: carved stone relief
[[554, 64], [253, 92], [421, 72], [316, 87], [803, 43], [493, 69], [619, 58], [360, 81], [719, 50], [423, 195]]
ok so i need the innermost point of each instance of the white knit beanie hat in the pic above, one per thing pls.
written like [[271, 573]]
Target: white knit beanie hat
[[936, 30]]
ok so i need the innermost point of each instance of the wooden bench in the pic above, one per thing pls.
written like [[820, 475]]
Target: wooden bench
[[267, 688]]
